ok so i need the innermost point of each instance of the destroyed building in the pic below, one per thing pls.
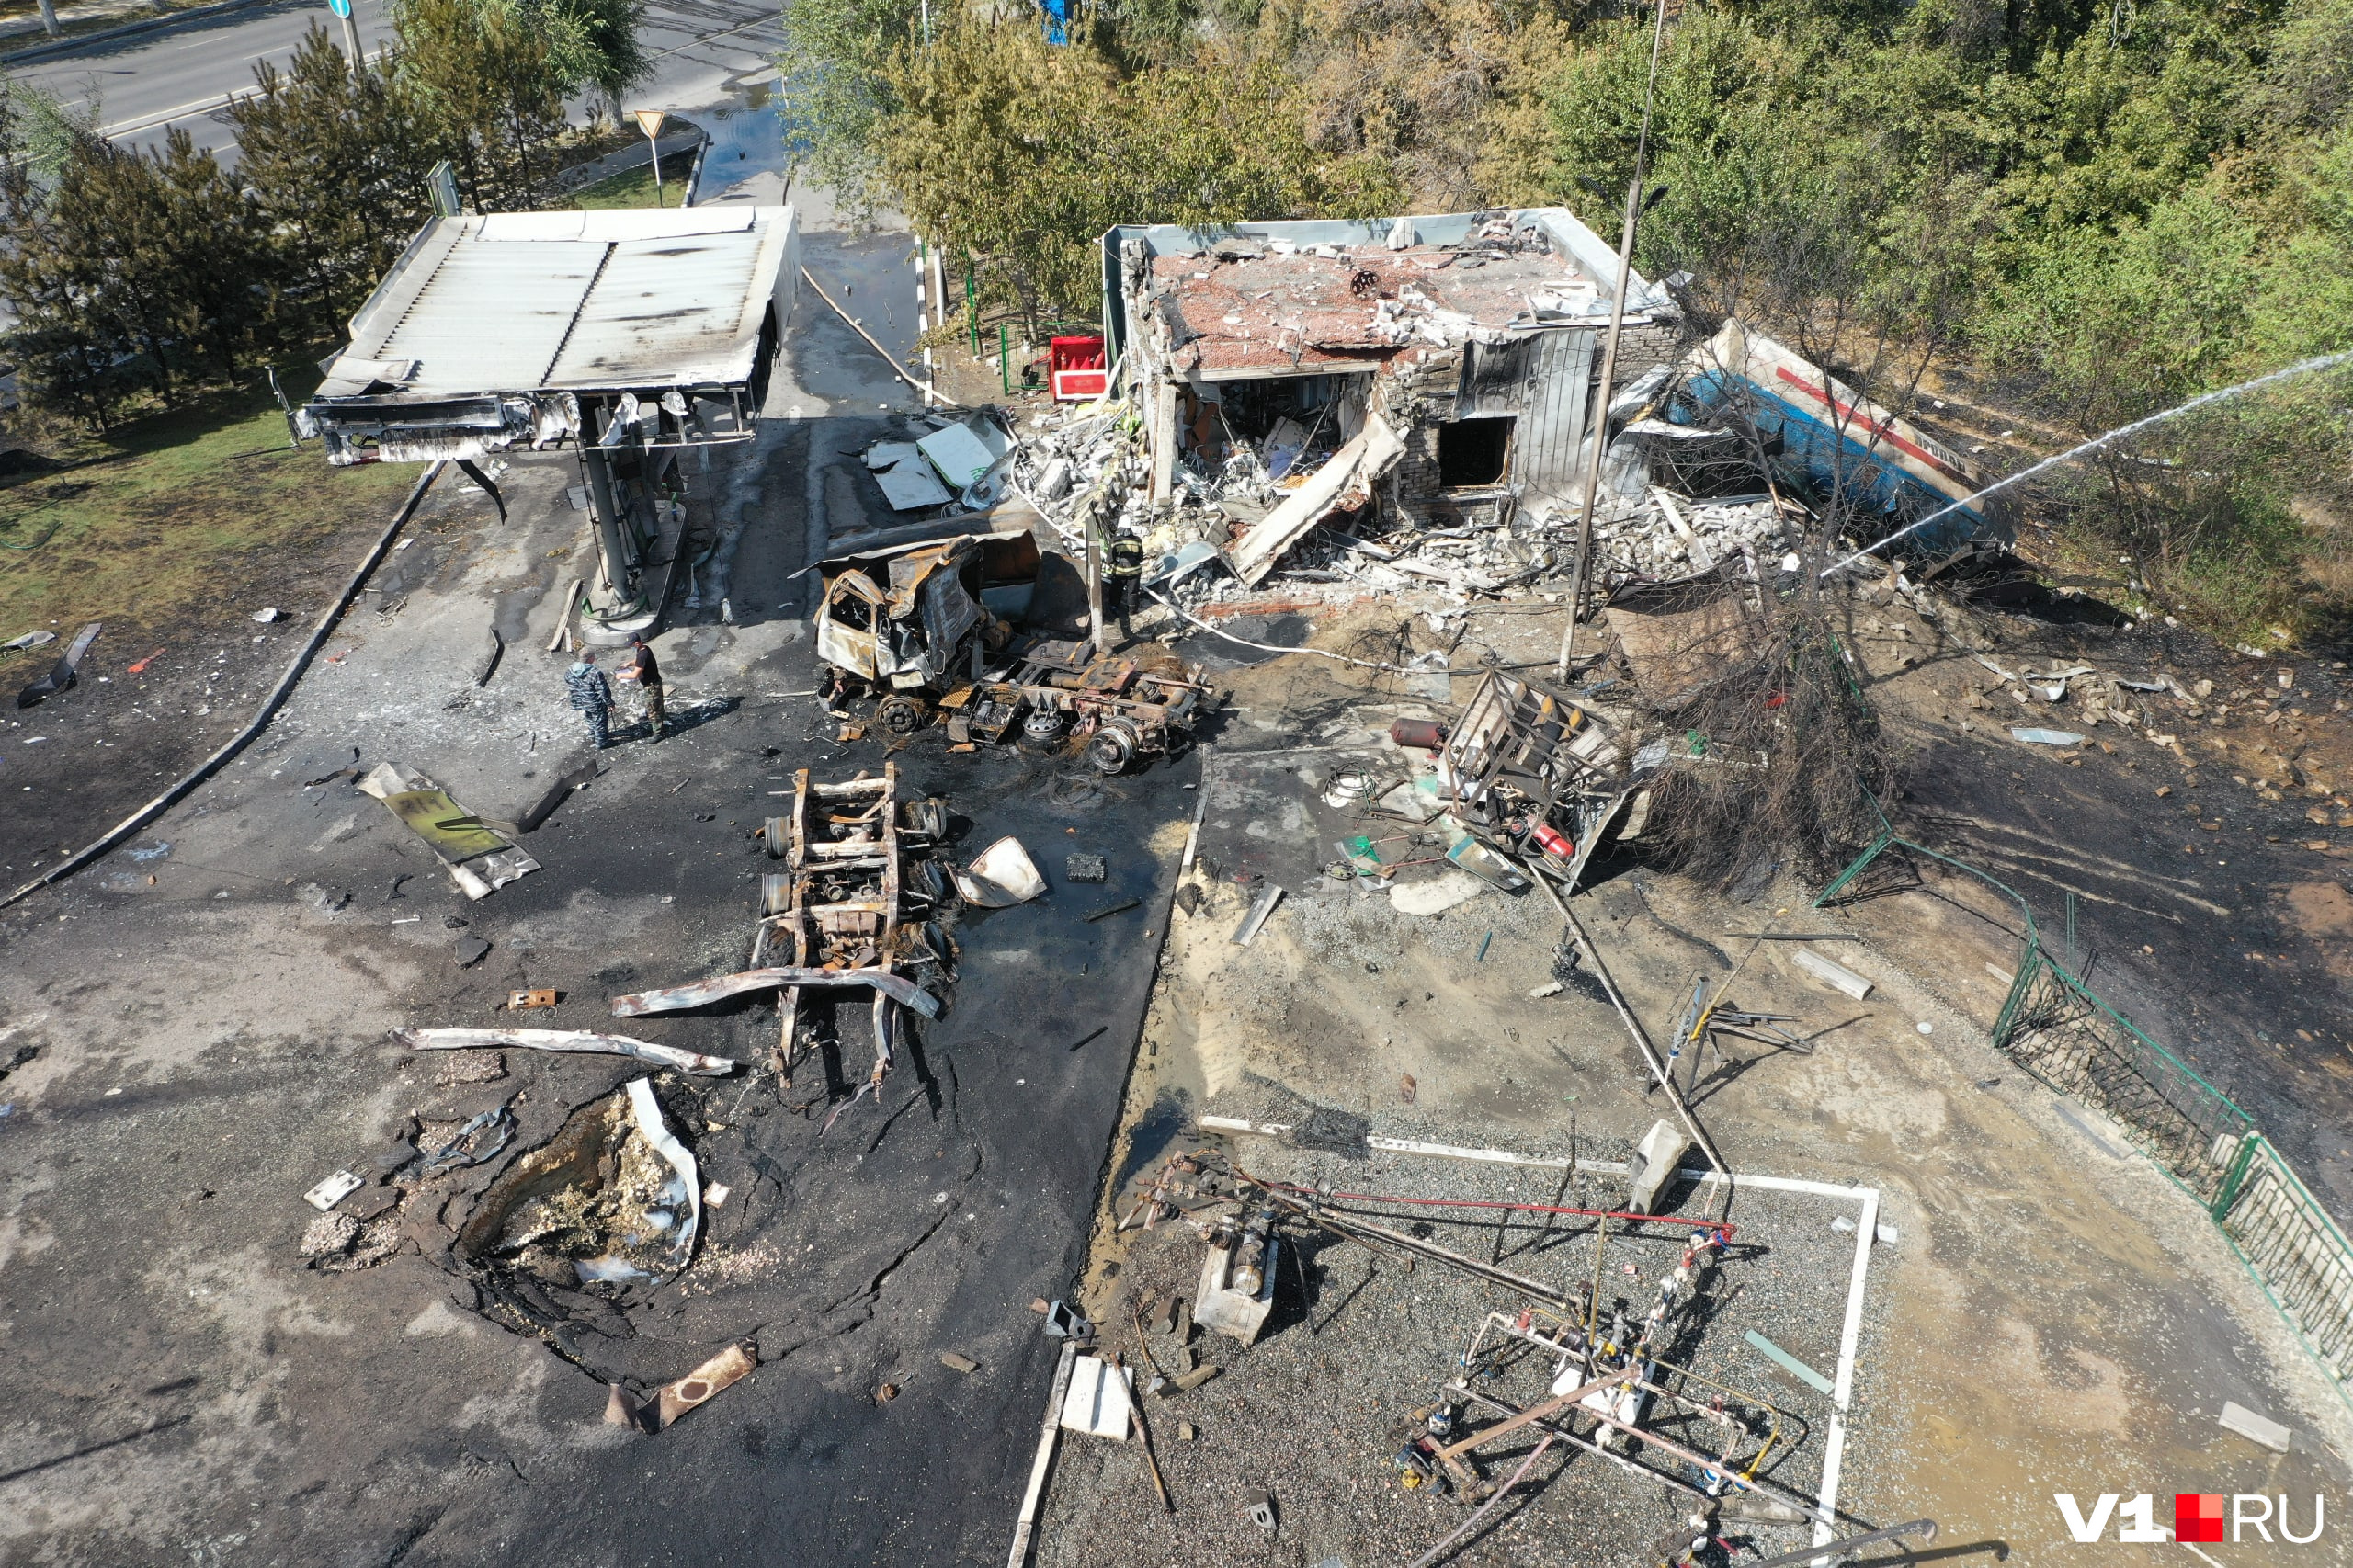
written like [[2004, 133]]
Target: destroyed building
[[1450, 358]]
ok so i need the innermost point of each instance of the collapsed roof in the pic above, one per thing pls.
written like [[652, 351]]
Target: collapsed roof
[[1322, 296]]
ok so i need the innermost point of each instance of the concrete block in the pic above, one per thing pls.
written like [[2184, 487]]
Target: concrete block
[[1836, 976], [2256, 1428], [1655, 1158]]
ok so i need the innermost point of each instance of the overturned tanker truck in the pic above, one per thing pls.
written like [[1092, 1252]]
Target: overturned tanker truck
[[986, 633]]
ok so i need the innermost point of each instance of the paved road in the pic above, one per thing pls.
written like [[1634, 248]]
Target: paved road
[[705, 51]]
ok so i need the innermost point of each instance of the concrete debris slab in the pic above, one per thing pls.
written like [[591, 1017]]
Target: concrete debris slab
[[2256, 1428], [1656, 1158], [1098, 1398], [1435, 895], [333, 1190], [584, 1041], [2037, 737], [1342, 484]]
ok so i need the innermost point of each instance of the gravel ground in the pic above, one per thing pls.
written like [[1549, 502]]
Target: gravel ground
[[1316, 1410]]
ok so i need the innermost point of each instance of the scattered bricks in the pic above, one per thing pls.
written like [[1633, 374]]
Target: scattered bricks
[[956, 1363]]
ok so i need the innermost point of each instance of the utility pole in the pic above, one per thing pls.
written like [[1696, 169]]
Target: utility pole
[[342, 9], [1583, 572], [649, 122]]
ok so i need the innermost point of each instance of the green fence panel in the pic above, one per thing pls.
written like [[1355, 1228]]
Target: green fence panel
[[2296, 1253], [2058, 1029]]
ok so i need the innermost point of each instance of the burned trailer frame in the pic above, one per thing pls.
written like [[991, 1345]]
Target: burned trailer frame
[[845, 901], [1122, 710], [846, 913], [1535, 773]]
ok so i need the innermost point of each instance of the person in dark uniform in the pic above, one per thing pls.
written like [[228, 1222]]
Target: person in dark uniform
[[648, 675], [591, 696], [1123, 567]]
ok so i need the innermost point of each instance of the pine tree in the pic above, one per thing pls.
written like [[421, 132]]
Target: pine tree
[[134, 272], [338, 165], [491, 96]]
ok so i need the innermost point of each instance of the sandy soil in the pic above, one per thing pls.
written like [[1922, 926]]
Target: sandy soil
[[2046, 1316]]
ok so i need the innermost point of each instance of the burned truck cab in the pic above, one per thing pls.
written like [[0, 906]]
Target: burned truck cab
[[946, 628], [911, 623]]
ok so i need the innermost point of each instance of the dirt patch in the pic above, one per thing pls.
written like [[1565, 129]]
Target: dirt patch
[[163, 686], [2324, 912]]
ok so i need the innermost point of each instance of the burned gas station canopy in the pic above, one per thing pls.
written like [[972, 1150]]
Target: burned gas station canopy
[[524, 327]]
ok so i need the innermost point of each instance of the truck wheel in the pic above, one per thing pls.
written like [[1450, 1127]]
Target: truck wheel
[[902, 715], [1113, 748]]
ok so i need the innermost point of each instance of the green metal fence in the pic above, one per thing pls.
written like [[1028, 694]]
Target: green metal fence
[[2294, 1250], [2060, 1031], [2057, 1029]]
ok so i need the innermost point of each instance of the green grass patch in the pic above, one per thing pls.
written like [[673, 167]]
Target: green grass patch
[[634, 187], [160, 520]]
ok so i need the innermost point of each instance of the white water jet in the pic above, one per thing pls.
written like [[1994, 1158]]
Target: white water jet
[[2300, 367]]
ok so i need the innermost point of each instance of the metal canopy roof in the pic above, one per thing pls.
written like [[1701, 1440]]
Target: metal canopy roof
[[594, 301]]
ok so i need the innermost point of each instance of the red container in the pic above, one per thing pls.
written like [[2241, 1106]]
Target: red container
[[1076, 368], [1553, 842], [1427, 733]]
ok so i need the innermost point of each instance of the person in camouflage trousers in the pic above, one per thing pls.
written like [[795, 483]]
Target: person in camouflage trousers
[[647, 673], [591, 696]]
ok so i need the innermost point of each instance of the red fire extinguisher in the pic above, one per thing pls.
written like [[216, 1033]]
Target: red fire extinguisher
[[1553, 842]]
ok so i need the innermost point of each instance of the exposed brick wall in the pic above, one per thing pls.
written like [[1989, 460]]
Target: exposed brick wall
[[1416, 395], [1641, 344]]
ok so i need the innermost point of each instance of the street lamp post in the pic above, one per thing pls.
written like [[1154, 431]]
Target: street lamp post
[[649, 122]]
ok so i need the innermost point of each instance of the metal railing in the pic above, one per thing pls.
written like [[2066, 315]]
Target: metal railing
[[2065, 1034], [2060, 1031]]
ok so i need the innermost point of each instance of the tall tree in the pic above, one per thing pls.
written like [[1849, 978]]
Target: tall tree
[[1023, 153], [338, 165], [489, 93], [137, 270], [592, 43], [837, 86]]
